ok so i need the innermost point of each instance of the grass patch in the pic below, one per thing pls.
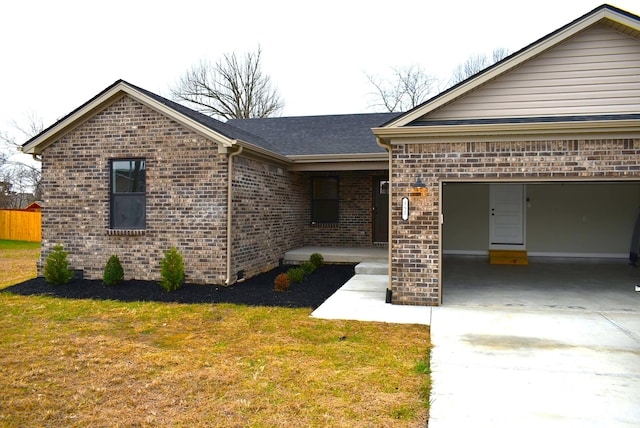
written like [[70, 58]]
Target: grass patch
[[17, 261], [96, 363], [18, 245], [154, 364]]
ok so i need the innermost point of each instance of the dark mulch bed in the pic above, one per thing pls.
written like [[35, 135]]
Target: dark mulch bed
[[256, 291]]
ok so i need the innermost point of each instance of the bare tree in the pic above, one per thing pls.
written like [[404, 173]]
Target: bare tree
[[408, 87], [475, 64], [232, 88], [19, 179], [471, 66], [499, 54]]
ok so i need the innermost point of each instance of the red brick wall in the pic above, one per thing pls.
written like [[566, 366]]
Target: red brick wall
[[416, 242], [186, 195]]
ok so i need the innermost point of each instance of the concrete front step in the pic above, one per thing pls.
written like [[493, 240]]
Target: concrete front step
[[336, 254], [373, 267], [508, 257]]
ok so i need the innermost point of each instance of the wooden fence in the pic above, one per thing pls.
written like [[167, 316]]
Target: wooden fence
[[18, 225]]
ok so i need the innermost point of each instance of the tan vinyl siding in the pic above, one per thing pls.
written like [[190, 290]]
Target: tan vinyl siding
[[595, 72]]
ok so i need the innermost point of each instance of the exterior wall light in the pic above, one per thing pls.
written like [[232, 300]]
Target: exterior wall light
[[419, 184]]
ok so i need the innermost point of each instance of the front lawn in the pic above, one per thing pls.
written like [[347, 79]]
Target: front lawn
[[17, 261], [80, 362]]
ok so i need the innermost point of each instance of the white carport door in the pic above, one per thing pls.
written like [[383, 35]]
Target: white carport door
[[506, 216]]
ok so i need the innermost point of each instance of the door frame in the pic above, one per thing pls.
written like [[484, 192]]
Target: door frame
[[384, 223]]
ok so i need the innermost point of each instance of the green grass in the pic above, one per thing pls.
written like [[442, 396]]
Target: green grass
[[17, 261], [18, 245], [82, 363]]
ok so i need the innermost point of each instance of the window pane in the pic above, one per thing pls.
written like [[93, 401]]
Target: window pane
[[128, 211], [325, 188], [325, 211], [324, 205], [129, 175], [128, 199]]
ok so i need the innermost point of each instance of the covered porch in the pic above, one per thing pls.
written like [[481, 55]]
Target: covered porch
[[339, 254]]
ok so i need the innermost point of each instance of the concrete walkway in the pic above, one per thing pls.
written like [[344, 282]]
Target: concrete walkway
[[362, 298]]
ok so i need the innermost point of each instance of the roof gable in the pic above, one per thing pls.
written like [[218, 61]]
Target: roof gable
[[593, 73], [508, 89], [221, 133], [277, 138]]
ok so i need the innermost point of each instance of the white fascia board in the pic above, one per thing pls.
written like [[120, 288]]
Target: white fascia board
[[351, 157], [341, 166], [462, 133], [344, 162]]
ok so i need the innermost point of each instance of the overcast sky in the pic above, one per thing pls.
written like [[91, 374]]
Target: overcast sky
[[58, 54]]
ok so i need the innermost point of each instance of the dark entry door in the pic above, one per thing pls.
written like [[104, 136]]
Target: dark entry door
[[380, 209]]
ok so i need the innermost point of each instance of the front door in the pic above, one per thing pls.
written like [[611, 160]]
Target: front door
[[506, 216], [381, 209]]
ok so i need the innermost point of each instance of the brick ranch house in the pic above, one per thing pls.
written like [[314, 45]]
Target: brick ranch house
[[538, 153]]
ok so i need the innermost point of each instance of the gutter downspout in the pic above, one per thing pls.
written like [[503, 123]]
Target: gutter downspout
[[36, 157], [387, 147], [230, 208]]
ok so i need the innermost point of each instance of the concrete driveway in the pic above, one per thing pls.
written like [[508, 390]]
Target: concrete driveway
[[541, 361]]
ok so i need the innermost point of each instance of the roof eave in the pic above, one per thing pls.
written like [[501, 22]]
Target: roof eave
[[346, 157], [340, 162], [630, 127], [262, 152]]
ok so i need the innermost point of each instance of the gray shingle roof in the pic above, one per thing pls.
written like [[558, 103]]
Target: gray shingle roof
[[296, 135], [223, 128], [318, 135], [304, 135]]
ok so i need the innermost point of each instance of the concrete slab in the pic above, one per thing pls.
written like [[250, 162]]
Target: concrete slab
[[372, 268], [338, 254], [495, 367], [575, 285], [362, 298], [555, 346]]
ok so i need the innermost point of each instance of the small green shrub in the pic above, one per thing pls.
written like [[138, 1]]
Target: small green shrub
[[295, 274], [316, 259], [56, 268], [172, 270], [281, 283], [308, 267], [113, 272]]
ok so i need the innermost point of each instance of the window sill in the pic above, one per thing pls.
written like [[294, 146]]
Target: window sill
[[126, 232], [324, 225]]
